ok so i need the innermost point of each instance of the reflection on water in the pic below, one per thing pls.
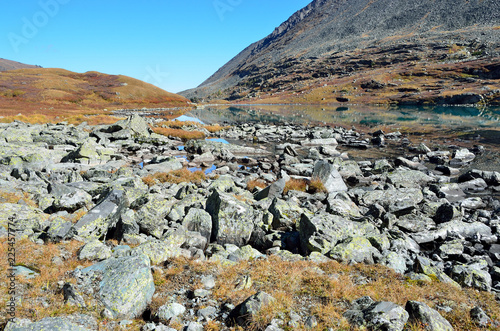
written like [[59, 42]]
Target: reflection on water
[[458, 121], [218, 140], [185, 118]]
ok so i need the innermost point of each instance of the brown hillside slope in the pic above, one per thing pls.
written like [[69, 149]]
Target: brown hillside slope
[[52, 90], [6, 65]]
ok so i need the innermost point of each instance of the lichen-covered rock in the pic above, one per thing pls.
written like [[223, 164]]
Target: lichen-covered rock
[[170, 311], [427, 267], [73, 201], [376, 315], [151, 215], [429, 317], [125, 285], [48, 323], [94, 250], [472, 276], [272, 191], [245, 253], [160, 251], [322, 232], [329, 176], [136, 124], [354, 250], [286, 214], [27, 219], [95, 224], [169, 165], [244, 312], [341, 205], [479, 317], [233, 220], [403, 178], [395, 261], [200, 221], [395, 200]]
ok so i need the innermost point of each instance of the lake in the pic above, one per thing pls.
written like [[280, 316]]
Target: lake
[[434, 126]]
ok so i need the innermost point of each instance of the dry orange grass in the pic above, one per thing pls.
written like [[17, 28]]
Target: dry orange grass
[[43, 287], [299, 286], [10, 197], [181, 124], [175, 177], [179, 133], [314, 185], [101, 119], [254, 183]]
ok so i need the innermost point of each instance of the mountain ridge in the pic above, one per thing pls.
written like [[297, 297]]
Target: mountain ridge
[[327, 27]]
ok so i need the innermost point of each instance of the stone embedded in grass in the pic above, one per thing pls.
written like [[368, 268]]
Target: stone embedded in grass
[[125, 286], [322, 232], [48, 323], [170, 311], [355, 250], [479, 317], [376, 315], [244, 312], [94, 250], [420, 312]]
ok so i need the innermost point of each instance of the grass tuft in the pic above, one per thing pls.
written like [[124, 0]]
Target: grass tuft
[[175, 177]]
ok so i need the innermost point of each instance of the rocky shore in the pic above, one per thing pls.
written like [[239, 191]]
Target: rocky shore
[[423, 215]]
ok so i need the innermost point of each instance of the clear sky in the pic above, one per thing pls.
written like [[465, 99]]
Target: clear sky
[[175, 45]]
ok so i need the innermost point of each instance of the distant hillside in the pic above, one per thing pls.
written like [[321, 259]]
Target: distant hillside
[[6, 65], [332, 39], [29, 89]]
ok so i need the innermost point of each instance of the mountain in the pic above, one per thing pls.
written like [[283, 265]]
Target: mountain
[[329, 49], [6, 65], [47, 89]]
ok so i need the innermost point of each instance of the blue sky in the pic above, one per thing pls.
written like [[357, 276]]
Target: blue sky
[[175, 45]]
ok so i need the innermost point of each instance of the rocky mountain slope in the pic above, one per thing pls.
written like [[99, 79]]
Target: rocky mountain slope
[[332, 39], [6, 65], [39, 89]]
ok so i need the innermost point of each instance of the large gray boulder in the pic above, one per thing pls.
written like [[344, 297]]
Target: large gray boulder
[[408, 178], [136, 124], [377, 315], [420, 312], [200, 221], [160, 251], [169, 165], [232, 220], [354, 250], [395, 200], [151, 216], [95, 224], [322, 232], [475, 275], [286, 214], [272, 191], [124, 286], [329, 176]]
